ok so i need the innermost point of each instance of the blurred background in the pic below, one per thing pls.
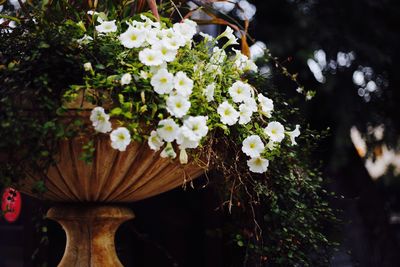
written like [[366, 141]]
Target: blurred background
[[348, 52]]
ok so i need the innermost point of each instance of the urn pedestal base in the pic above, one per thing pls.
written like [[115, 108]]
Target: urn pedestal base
[[90, 232]]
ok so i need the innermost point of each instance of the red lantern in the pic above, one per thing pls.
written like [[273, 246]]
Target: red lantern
[[11, 204]]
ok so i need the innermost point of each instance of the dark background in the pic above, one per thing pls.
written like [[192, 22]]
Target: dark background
[[178, 228]]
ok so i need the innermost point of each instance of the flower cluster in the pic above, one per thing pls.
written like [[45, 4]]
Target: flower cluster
[[197, 88]]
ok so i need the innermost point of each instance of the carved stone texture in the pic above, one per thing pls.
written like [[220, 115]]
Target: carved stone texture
[[90, 233], [113, 176]]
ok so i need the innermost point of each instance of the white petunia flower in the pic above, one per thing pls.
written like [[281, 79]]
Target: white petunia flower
[[183, 156], [246, 11], [184, 142], [16, 4], [106, 27], [229, 115], [148, 23], [155, 142], [100, 120], [240, 91], [126, 79], [144, 75], [293, 134], [162, 82], [183, 84], [258, 165], [187, 29], [155, 69], [120, 138], [245, 111], [150, 57], [275, 131], [168, 130], [173, 43], [218, 56], [251, 104], [87, 66], [152, 36], [195, 128], [257, 50], [168, 152], [225, 6], [266, 104], [168, 55], [253, 146], [85, 39], [132, 38], [209, 92], [178, 105], [207, 37], [228, 33]]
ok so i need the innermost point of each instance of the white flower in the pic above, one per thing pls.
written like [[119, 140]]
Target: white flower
[[183, 156], [168, 130], [240, 91], [126, 79], [162, 82], [155, 69], [92, 12], [243, 63], [245, 111], [168, 152], [267, 105], [224, 6], [183, 84], [150, 57], [155, 142], [16, 4], [168, 54], [186, 29], [195, 128], [253, 146], [209, 92], [293, 134], [120, 138], [228, 33], [144, 75], [258, 165], [148, 23], [246, 11], [107, 26], [174, 42], [275, 131], [152, 36], [257, 50], [132, 38], [228, 113], [218, 56], [185, 142], [100, 120], [85, 39], [251, 104], [207, 37], [178, 105], [87, 66]]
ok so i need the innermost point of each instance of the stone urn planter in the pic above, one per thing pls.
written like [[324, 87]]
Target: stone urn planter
[[88, 197]]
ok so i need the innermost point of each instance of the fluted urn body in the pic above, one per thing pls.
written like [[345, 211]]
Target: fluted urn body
[[87, 194]]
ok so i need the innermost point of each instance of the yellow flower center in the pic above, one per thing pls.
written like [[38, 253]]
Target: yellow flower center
[[227, 112], [163, 80], [121, 137], [252, 145], [168, 128], [133, 37]]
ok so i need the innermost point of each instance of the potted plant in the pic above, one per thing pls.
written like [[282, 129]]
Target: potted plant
[[113, 110]]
